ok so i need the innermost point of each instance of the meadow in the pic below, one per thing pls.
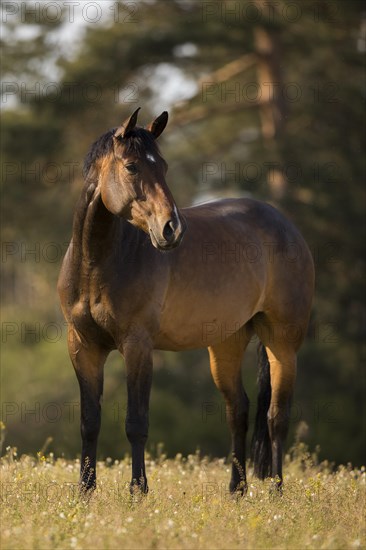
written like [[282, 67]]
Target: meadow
[[187, 507]]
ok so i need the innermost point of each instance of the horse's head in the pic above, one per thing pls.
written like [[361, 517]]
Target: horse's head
[[132, 182]]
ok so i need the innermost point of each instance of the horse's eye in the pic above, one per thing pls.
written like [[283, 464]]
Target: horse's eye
[[131, 168]]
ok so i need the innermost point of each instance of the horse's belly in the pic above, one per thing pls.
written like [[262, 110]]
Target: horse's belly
[[200, 321]]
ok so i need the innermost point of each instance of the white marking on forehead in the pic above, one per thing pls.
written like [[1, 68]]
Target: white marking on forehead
[[150, 158]]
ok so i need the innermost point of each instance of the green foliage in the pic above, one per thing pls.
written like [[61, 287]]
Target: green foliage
[[311, 166]]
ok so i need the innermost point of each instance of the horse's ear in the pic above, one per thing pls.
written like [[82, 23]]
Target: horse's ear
[[128, 125], [158, 125]]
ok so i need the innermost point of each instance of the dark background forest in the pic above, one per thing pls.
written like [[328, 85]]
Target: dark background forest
[[266, 99]]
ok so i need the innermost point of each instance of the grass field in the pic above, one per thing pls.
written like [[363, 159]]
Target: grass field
[[187, 506]]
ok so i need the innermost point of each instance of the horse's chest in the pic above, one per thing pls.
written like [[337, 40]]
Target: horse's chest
[[93, 308], [102, 312]]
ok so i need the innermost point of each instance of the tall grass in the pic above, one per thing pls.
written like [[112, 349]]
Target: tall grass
[[188, 506]]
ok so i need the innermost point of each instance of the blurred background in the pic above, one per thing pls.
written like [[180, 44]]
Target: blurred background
[[266, 99]]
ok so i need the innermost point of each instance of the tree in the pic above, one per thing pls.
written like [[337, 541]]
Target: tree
[[276, 112]]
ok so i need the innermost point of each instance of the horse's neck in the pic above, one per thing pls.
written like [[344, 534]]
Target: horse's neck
[[94, 227]]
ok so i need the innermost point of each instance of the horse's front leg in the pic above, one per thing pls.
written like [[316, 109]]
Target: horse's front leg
[[88, 360], [138, 359]]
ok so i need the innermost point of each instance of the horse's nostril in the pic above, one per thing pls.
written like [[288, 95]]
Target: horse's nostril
[[168, 231]]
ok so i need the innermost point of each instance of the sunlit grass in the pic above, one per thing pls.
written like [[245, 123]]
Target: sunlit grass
[[188, 506]]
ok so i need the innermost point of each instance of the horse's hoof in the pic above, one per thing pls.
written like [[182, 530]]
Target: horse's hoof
[[276, 488], [139, 488], [238, 489], [86, 489]]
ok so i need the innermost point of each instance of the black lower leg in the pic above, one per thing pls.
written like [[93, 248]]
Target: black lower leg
[[90, 426], [238, 421], [278, 422], [137, 431], [139, 378]]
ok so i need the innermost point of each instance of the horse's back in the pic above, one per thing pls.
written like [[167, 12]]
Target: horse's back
[[250, 213], [276, 242], [239, 257], [247, 231], [264, 233]]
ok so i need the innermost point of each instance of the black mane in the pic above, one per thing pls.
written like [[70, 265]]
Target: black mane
[[138, 141]]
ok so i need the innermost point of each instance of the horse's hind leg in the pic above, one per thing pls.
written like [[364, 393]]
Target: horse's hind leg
[[281, 351], [283, 373], [225, 363], [88, 361]]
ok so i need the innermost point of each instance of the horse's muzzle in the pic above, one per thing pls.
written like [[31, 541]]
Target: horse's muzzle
[[171, 235]]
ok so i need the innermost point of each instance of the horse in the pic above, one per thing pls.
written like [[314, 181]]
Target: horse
[[141, 274]]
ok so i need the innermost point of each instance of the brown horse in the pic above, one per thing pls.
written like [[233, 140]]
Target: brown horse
[[241, 269]]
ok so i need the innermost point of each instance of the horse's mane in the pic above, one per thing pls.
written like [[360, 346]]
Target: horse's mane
[[138, 141]]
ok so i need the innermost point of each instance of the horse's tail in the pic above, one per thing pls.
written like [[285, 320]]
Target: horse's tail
[[261, 445]]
